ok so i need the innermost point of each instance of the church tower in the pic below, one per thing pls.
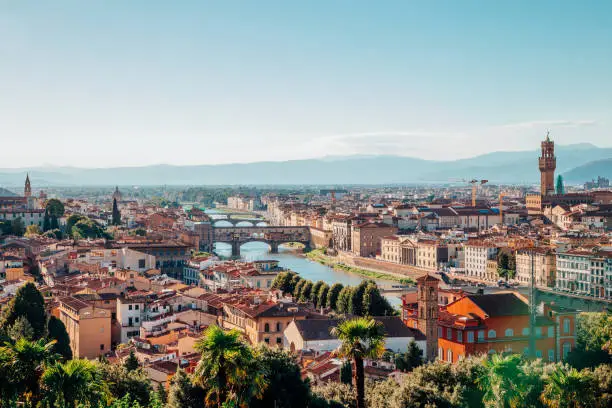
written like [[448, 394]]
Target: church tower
[[548, 164], [27, 191], [427, 319]]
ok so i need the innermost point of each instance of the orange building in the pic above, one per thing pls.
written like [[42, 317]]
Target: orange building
[[88, 327], [499, 323]]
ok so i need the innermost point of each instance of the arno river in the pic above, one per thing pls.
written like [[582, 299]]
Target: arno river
[[289, 259]]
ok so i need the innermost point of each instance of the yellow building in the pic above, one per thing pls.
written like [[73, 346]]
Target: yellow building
[[88, 327]]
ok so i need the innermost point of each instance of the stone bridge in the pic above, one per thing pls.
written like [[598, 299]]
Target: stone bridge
[[273, 236], [234, 221]]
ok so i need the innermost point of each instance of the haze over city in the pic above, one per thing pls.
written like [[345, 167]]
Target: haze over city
[[115, 83]]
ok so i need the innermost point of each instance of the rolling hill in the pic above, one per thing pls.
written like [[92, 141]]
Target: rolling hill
[[578, 163]]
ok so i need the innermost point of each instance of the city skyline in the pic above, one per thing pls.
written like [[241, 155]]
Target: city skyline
[[111, 84]]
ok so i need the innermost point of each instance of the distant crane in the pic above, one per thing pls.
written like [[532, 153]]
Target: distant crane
[[475, 184]]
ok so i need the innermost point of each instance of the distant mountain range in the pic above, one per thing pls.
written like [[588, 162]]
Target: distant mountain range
[[578, 163]]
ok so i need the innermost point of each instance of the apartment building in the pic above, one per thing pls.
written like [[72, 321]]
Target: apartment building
[[583, 272], [476, 256], [430, 253], [130, 314], [544, 262], [366, 237], [88, 327]]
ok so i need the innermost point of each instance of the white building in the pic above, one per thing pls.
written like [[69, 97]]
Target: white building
[[476, 256], [121, 258], [587, 273], [130, 314]]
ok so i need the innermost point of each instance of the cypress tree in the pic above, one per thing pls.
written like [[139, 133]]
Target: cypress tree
[[116, 220], [29, 303], [57, 331], [46, 221]]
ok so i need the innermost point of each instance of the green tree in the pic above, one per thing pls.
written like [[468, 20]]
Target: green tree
[[131, 363], [32, 230], [568, 388], [21, 329], [322, 295], [375, 304], [593, 338], [183, 393], [46, 221], [343, 304], [122, 382], [305, 291], [57, 331], [333, 294], [360, 338], [72, 220], [55, 208], [73, 383], [285, 386], [314, 293], [503, 382], [560, 187], [409, 360], [28, 303], [225, 365], [17, 227], [346, 373], [297, 291], [356, 299], [162, 394], [116, 216], [23, 364]]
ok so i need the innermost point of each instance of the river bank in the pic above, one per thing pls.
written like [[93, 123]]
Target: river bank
[[319, 256]]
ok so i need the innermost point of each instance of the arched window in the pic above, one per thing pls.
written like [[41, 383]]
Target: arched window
[[279, 326], [492, 351], [440, 353], [492, 334], [509, 333], [267, 327], [449, 356]]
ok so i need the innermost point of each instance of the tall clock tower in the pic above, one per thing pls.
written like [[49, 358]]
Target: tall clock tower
[[427, 318], [547, 163]]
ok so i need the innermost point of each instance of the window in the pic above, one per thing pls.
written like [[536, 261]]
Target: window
[[492, 334], [567, 347], [449, 356], [129, 307], [538, 332], [551, 331], [551, 355], [440, 353], [470, 337], [101, 347], [538, 353], [566, 326], [267, 327], [141, 264], [509, 333], [279, 340], [439, 332], [279, 326], [449, 333], [137, 307], [459, 336], [136, 319], [481, 335], [267, 340]]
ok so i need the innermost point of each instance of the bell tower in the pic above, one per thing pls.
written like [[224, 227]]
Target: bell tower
[[27, 190], [547, 163], [427, 318]]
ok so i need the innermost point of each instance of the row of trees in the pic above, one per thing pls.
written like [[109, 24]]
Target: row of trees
[[362, 300]]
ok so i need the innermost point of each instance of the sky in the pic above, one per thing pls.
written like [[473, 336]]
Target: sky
[[103, 83]]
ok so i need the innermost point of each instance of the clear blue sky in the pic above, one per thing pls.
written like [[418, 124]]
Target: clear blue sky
[[103, 83]]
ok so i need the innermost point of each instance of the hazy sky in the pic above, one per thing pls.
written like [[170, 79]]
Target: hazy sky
[[101, 83]]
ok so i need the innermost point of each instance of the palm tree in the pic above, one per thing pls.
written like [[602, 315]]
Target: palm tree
[[26, 360], [72, 383], [503, 382], [568, 388], [226, 368], [361, 338]]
